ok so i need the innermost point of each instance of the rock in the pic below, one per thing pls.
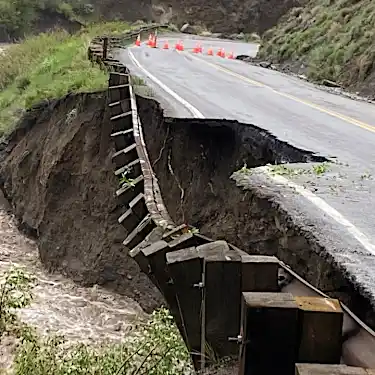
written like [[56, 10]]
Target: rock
[[265, 64], [189, 29], [206, 33], [328, 83]]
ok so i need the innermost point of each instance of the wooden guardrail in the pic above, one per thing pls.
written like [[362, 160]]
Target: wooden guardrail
[[226, 303]]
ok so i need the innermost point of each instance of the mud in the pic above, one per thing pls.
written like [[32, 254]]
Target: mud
[[56, 171], [194, 160]]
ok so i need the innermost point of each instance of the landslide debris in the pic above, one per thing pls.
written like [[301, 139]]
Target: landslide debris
[[327, 40]]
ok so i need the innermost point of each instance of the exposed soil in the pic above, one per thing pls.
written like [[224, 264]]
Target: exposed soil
[[194, 160], [57, 172]]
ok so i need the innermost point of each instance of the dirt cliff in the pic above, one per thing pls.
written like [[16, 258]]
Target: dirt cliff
[[56, 170]]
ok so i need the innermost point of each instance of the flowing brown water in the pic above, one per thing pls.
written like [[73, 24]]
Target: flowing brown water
[[91, 315]]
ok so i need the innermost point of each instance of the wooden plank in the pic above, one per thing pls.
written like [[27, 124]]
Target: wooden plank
[[259, 273], [321, 330], [270, 334], [156, 257], [321, 369], [222, 297], [185, 267]]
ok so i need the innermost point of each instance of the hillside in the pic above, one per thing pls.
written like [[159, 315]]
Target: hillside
[[327, 39], [21, 17]]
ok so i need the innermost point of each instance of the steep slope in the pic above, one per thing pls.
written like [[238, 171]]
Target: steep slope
[[229, 16], [328, 39], [216, 15]]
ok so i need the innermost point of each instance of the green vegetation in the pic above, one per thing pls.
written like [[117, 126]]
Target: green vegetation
[[289, 170], [48, 66], [334, 39], [18, 17], [156, 348]]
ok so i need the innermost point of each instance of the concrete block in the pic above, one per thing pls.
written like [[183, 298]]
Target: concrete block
[[320, 330], [269, 323]]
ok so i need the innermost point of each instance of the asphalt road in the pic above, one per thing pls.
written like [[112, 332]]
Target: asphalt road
[[190, 85]]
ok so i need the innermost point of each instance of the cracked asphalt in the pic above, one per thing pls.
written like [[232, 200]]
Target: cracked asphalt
[[295, 111]]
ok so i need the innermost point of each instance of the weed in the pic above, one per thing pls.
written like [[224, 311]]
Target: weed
[[193, 230], [320, 169], [15, 293], [286, 170], [156, 348], [245, 170], [125, 180], [317, 169]]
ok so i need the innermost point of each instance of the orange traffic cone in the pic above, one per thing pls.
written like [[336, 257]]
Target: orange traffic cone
[[177, 46], [230, 56], [149, 43], [210, 52], [180, 46], [219, 52], [166, 45], [197, 48], [138, 41], [153, 44], [222, 53]]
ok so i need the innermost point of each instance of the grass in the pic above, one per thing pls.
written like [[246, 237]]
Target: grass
[[48, 66], [155, 348], [334, 39], [316, 169]]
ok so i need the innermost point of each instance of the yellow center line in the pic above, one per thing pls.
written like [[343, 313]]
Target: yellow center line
[[340, 116]]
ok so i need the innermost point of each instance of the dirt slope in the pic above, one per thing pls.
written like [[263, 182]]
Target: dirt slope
[[328, 39], [57, 172], [228, 16]]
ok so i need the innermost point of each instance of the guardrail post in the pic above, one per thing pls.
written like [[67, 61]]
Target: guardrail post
[[269, 334], [221, 298], [320, 330], [105, 48], [185, 268]]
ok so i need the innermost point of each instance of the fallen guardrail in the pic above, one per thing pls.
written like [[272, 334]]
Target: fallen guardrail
[[226, 303]]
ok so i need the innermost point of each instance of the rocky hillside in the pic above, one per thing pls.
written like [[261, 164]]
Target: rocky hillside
[[22, 17], [228, 16], [328, 39]]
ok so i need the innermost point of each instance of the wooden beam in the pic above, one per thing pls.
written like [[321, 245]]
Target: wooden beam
[[320, 330], [269, 334]]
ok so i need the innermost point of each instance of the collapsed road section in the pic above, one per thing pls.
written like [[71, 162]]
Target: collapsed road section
[[106, 181]]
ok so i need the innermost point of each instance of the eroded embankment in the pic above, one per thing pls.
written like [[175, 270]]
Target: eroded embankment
[[193, 161], [57, 171]]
